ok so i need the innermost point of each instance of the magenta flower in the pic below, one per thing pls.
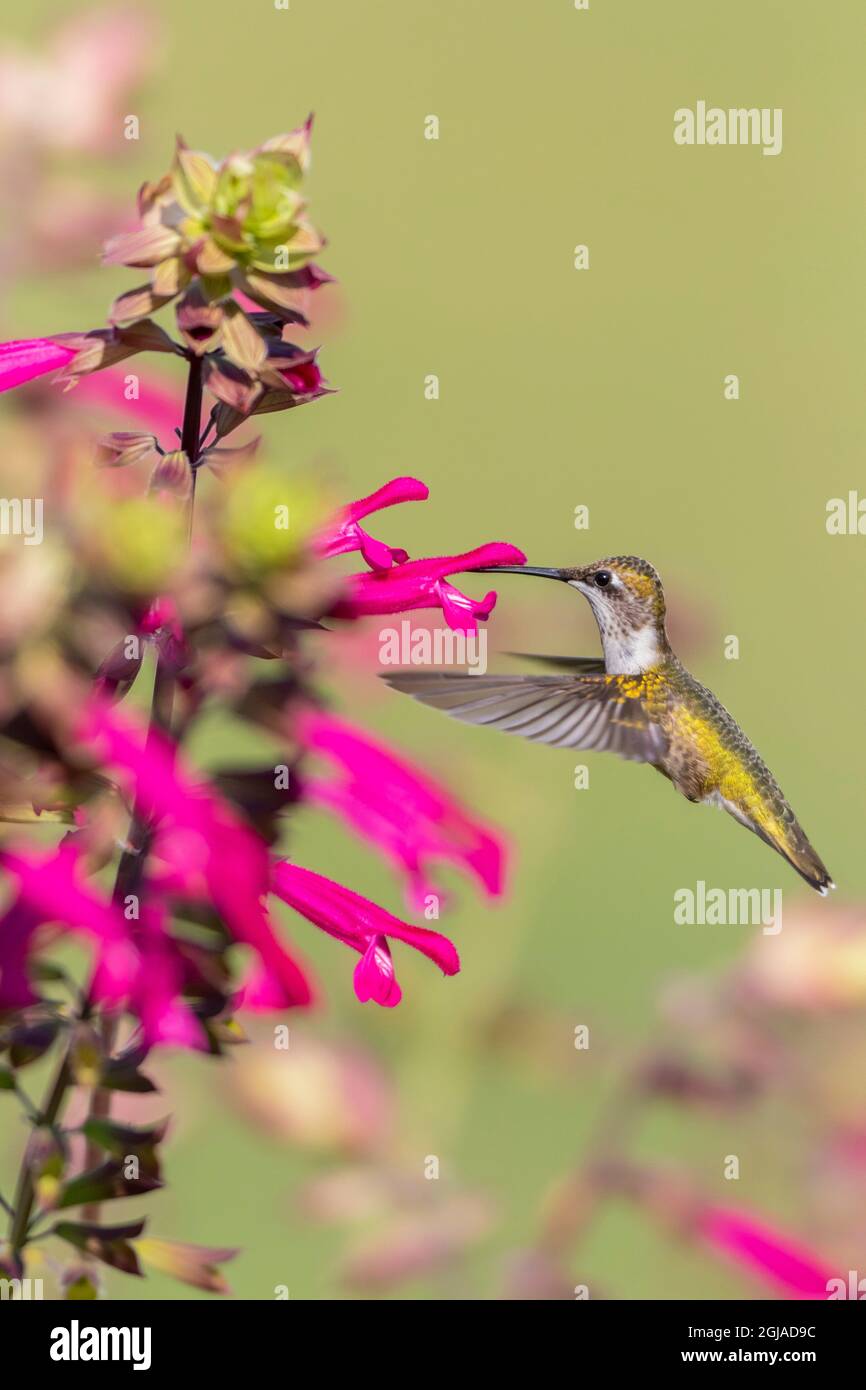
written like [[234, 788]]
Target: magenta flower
[[345, 533], [198, 837], [26, 358], [156, 994], [207, 852], [17, 926], [407, 815], [301, 373], [364, 926], [772, 1256], [51, 889], [423, 584]]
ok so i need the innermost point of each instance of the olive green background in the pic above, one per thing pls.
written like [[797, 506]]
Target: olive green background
[[558, 388]]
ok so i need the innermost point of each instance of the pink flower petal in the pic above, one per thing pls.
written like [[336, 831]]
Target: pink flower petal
[[771, 1255], [459, 611], [354, 920], [17, 926], [382, 825], [345, 534], [390, 494], [417, 584], [26, 358], [166, 1018], [51, 887], [409, 815], [209, 851], [374, 976]]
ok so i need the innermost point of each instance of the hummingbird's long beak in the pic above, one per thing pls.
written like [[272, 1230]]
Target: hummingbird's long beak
[[522, 569]]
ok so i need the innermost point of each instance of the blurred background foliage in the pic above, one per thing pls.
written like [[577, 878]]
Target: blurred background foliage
[[558, 388]]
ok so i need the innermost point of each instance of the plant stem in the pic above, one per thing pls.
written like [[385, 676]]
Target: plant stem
[[129, 872], [25, 1191]]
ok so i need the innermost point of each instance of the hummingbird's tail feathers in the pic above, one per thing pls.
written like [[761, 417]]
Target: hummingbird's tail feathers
[[785, 835], [590, 712], [577, 665], [801, 856]]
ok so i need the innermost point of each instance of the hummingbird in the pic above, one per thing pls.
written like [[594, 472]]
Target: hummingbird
[[638, 701]]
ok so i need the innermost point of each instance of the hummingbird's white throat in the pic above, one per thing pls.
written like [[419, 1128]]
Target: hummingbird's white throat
[[628, 651]]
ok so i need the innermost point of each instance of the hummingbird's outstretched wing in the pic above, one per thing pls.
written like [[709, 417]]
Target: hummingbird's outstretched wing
[[577, 665], [590, 712]]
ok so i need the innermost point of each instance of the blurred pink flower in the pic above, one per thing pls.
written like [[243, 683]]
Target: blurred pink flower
[[423, 584], [51, 890], [155, 997], [207, 852], [364, 926], [345, 533], [27, 358], [17, 926], [205, 849], [771, 1255], [409, 816], [156, 404], [301, 373], [72, 99], [317, 1095]]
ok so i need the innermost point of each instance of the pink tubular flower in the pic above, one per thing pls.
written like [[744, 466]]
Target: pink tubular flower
[[208, 852], [51, 889], [303, 376], [155, 997], [772, 1256], [408, 815], [362, 925], [17, 926], [27, 358], [423, 584], [345, 533]]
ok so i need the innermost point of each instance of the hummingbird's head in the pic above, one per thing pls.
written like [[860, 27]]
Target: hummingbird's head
[[628, 603], [623, 590]]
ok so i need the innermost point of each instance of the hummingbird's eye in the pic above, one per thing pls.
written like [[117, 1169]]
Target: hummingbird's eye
[[602, 578]]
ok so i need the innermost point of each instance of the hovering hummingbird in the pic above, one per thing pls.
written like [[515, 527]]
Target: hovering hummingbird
[[638, 701]]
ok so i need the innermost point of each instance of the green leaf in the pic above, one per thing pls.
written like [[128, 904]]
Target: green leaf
[[131, 1081], [123, 447], [46, 972], [104, 1184], [274, 292], [144, 247], [242, 342], [231, 385], [30, 1041], [121, 1140], [194, 179], [136, 304], [110, 1244], [122, 1073]]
